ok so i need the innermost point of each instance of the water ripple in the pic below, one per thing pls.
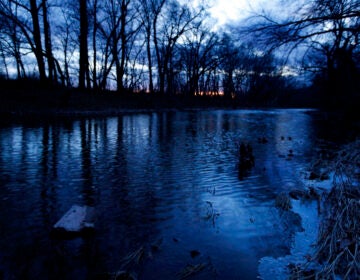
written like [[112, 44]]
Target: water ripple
[[171, 176]]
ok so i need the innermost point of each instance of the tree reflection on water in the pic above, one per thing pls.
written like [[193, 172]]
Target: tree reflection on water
[[156, 176]]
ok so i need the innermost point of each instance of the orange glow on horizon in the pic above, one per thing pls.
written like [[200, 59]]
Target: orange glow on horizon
[[210, 93]]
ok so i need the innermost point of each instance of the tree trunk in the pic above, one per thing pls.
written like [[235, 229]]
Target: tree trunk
[[158, 57], [17, 55], [120, 62], [4, 61], [48, 44], [123, 39], [119, 84], [37, 40], [148, 50], [95, 27], [84, 57]]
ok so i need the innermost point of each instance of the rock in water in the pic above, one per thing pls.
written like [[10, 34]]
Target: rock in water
[[76, 220]]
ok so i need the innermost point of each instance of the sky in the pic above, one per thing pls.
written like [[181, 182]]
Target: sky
[[227, 11], [230, 11]]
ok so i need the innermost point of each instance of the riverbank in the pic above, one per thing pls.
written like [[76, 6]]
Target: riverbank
[[73, 103], [24, 99], [28, 98], [338, 241], [327, 247], [32, 99]]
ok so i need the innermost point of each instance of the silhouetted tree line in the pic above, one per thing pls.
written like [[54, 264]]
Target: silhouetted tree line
[[169, 47]]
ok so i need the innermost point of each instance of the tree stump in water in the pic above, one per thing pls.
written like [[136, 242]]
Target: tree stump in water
[[246, 159]]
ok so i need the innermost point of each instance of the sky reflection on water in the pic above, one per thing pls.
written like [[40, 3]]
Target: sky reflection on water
[[168, 177]]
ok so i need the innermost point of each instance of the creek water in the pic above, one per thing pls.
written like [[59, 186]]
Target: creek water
[[166, 189]]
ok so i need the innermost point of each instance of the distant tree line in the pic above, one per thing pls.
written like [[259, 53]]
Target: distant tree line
[[168, 47]]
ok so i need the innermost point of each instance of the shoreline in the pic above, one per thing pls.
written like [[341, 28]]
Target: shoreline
[[330, 236], [28, 99]]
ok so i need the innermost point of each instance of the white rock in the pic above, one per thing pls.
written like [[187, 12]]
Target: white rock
[[76, 219]]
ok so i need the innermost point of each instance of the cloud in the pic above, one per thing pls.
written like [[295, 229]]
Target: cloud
[[229, 10]]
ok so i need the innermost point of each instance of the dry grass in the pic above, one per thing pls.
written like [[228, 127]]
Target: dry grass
[[283, 202], [338, 245], [128, 263], [134, 258], [211, 213], [190, 270], [339, 235]]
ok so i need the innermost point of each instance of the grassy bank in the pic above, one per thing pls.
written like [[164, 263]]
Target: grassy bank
[[337, 248]]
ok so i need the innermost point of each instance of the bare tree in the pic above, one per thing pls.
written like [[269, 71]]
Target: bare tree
[[48, 43], [84, 75], [67, 42], [199, 54], [36, 32], [149, 12], [175, 22], [118, 29], [11, 39], [230, 63], [95, 27], [329, 27]]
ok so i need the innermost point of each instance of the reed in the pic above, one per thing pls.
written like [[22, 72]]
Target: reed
[[190, 270], [283, 202], [337, 250], [339, 235]]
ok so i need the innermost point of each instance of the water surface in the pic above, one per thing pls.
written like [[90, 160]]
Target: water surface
[[166, 183]]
